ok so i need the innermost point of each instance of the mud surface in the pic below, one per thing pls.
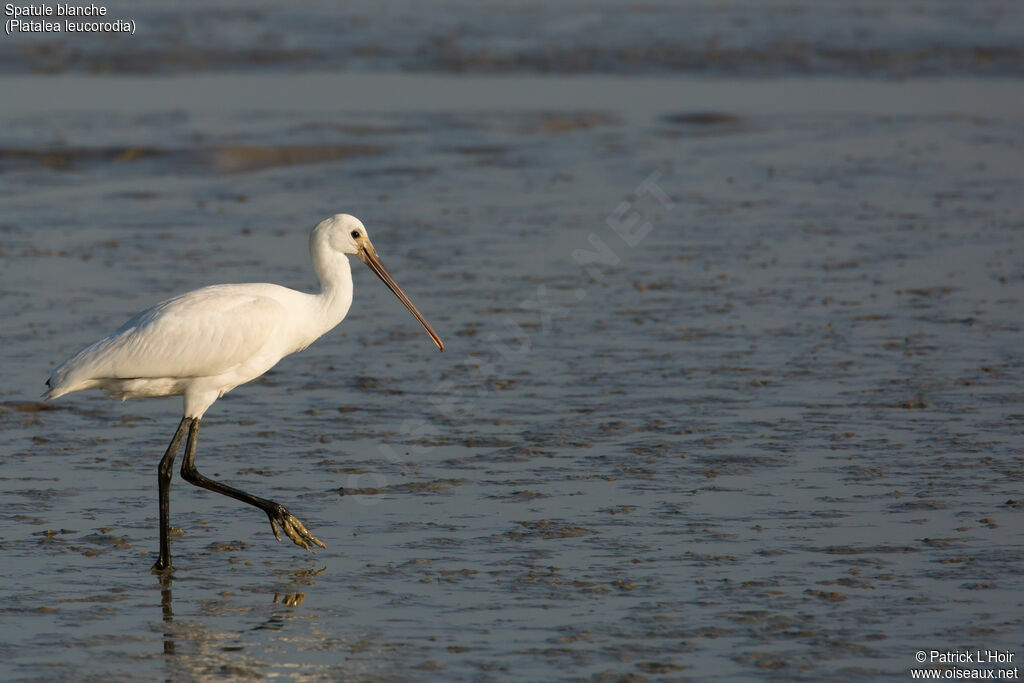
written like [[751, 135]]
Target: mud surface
[[777, 434]]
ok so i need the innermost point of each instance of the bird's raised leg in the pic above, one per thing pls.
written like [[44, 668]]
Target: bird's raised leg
[[164, 472], [278, 515]]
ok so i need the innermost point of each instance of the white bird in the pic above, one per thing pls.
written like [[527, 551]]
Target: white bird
[[202, 344]]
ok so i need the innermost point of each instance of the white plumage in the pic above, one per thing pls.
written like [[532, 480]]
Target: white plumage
[[204, 343]]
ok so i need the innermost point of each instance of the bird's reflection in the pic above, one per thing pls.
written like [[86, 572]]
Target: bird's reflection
[[305, 576], [167, 612], [289, 599], [274, 621]]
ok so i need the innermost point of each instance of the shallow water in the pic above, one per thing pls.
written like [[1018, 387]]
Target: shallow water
[[876, 38], [780, 436]]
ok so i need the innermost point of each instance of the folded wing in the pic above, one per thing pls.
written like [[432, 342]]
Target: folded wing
[[203, 333]]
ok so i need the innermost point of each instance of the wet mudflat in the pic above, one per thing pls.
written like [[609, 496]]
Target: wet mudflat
[[778, 434], [888, 38]]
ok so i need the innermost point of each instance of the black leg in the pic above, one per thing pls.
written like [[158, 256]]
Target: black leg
[[278, 515], [164, 471]]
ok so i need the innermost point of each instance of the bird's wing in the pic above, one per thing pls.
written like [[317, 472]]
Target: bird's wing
[[199, 334]]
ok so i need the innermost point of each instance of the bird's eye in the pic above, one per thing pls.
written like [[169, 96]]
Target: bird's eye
[[355, 234]]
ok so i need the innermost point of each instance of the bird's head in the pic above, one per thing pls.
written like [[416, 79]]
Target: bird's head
[[343, 233], [347, 234]]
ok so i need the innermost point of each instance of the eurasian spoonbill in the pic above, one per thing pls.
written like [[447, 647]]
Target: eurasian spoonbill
[[202, 344]]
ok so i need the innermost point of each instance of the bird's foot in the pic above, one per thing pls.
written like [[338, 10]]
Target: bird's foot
[[292, 528]]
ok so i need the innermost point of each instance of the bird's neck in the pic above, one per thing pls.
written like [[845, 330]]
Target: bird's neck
[[335, 275]]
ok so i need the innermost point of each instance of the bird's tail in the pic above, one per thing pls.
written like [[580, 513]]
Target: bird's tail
[[49, 393], [55, 389]]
